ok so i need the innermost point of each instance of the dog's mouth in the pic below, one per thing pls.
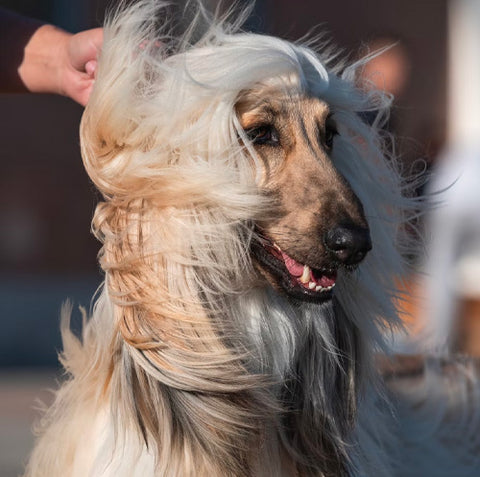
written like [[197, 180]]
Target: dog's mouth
[[298, 279]]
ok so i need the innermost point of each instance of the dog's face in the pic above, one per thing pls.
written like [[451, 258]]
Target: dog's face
[[319, 223]]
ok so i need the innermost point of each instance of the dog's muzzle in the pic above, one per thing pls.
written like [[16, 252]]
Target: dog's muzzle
[[345, 246]]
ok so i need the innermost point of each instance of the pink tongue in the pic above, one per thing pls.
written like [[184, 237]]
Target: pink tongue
[[325, 281], [295, 268]]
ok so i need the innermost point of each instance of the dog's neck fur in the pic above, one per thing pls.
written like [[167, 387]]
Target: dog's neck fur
[[296, 424], [316, 390]]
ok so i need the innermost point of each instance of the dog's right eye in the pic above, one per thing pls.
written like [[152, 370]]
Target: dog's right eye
[[263, 135], [330, 132]]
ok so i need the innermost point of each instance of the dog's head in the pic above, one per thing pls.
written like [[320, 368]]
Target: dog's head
[[319, 224]]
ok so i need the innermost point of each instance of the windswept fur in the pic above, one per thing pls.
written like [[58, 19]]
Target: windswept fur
[[192, 363]]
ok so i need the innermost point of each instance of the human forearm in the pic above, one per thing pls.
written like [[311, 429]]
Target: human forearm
[[15, 33]]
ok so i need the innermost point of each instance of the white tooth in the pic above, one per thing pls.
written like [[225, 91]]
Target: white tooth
[[276, 246], [318, 288], [305, 278], [311, 285]]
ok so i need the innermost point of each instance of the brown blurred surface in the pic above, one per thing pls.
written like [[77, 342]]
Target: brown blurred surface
[[20, 393], [46, 199], [468, 333], [420, 27]]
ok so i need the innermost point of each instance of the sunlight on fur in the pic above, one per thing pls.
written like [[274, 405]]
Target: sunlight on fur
[[194, 362]]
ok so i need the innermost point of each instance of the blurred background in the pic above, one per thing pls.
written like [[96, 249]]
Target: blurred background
[[47, 253]]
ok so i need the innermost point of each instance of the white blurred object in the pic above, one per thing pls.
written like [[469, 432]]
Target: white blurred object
[[463, 120], [453, 263], [468, 274], [453, 253]]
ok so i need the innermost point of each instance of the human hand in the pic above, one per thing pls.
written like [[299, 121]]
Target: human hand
[[58, 62], [80, 65]]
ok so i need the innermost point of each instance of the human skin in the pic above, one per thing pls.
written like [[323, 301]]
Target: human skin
[[42, 58]]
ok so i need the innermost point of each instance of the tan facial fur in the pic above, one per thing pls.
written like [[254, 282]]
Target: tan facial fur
[[312, 197]]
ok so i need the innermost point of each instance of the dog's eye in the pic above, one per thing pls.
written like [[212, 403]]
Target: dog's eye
[[330, 132], [263, 135]]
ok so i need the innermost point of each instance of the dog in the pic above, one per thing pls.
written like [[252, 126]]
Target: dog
[[253, 230]]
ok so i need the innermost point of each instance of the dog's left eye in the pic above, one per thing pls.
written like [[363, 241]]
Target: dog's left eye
[[263, 135], [330, 132]]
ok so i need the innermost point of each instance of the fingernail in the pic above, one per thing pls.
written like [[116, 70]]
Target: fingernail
[[90, 67]]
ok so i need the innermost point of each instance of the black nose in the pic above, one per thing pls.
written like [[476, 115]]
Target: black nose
[[348, 244]]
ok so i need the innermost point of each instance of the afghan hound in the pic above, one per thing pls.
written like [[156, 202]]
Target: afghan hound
[[253, 229]]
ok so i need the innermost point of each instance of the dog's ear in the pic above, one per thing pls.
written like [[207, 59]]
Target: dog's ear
[[113, 123], [109, 125]]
